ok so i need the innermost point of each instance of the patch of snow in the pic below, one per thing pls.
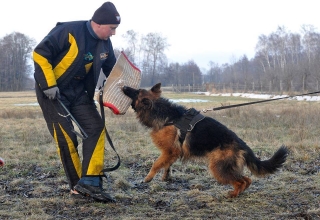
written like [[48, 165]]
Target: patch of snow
[[189, 100], [27, 104]]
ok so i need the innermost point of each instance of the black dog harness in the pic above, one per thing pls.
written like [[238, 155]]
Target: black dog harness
[[187, 122]]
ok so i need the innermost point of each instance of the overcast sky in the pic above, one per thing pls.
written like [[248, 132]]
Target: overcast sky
[[200, 30]]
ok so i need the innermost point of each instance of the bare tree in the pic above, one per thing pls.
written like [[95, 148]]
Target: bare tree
[[294, 49], [153, 46], [310, 42], [132, 38], [214, 73], [172, 75], [15, 50], [244, 71]]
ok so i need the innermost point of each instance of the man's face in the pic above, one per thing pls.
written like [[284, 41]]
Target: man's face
[[106, 30]]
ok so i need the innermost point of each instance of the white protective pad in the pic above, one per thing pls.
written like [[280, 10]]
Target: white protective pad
[[124, 73]]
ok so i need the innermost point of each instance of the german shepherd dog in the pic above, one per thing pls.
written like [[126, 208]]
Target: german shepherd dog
[[225, 153]]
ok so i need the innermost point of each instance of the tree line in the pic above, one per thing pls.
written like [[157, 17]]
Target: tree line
[[284, 61]]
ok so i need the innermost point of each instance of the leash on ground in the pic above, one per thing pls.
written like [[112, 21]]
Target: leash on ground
[[255, 102]]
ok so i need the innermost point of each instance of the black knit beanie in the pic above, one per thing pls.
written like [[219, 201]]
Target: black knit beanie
[[106, 14]]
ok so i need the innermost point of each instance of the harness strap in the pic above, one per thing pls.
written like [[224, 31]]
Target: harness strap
[[187, 122], [108, 169], [195, 120]]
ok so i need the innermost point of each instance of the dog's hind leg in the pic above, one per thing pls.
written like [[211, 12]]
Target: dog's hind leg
[[248, 182], [239, 186], [227, 167], [239, 183]]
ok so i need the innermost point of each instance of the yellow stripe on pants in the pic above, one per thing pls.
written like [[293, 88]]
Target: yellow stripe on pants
[[72, 149], [96, 162]]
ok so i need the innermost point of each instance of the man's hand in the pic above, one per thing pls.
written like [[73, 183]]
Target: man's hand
[[52, 93]]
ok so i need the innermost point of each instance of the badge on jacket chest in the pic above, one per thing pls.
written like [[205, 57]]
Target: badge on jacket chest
[[103, 56]]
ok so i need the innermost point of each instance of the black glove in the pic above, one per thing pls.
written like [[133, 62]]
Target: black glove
[[52, 93]]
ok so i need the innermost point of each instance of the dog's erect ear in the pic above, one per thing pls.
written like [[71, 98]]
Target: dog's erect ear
[[147, 103], [156, 89]]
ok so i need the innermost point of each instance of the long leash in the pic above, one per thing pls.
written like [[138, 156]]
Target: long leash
[[108, 169], [255, 102]]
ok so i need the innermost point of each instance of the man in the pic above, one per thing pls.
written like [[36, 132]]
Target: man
[[67, 66]]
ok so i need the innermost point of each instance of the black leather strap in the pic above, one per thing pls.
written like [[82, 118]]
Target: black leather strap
[[108, 169], [187, 122]]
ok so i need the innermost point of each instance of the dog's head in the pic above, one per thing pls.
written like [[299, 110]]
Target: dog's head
[[142, 98]]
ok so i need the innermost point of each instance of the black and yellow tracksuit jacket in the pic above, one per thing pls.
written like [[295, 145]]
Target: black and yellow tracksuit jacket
[[71, 57]]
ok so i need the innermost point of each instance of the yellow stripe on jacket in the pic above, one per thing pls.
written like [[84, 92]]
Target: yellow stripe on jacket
[[51, 75]]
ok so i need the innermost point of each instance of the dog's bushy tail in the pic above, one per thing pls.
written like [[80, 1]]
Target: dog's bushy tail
[[261, 168]]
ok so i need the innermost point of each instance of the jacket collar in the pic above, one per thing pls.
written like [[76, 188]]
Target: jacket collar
[[91, 30]]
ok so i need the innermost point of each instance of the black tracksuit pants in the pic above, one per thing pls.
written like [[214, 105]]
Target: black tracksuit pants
[[61, 128]]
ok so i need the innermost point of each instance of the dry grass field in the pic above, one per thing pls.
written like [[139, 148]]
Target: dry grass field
[[33, 184]]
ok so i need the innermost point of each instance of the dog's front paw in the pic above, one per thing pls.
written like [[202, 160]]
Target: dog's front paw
[[138, 182], [166, 178], [147, 179], [166, 175], [232, 194]]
